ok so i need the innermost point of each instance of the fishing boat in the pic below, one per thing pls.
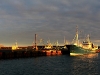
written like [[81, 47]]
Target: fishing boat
[[50, 50], [87, 44], [77, 48]]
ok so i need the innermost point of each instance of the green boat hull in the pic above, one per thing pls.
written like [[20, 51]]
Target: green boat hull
[[76, 50]]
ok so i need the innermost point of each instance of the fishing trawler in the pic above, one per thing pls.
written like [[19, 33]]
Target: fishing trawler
[[77, 48], [87, 44], [48, 46], [50, 50]]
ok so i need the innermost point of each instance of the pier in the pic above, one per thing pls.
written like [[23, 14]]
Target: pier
[[9, 54], [26, 52], [31, 51], [12, 54]]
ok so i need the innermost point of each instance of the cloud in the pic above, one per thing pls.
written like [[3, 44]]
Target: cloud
[[48, 18]]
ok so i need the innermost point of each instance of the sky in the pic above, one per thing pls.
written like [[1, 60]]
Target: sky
[[50, 19]]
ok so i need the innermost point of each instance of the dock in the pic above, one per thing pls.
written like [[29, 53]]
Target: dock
[[31, 51], [12, 54]]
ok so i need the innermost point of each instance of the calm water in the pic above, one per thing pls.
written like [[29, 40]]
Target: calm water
[[52, 65]]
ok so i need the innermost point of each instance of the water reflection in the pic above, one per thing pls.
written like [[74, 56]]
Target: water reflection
[[85, 65], [53, 65], [93, 55]]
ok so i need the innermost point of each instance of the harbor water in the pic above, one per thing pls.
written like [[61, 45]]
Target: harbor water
[[52, 65]]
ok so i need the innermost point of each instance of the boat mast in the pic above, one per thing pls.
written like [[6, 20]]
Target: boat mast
[[75, 40], [16, 44], [88, 38], [64, 40], [36, 42]]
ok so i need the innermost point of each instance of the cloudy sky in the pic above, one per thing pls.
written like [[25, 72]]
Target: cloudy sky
[[49, 19]]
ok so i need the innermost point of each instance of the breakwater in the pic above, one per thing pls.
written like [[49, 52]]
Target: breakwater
[[11, 54]]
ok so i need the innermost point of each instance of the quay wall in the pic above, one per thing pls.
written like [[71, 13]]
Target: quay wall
[[11, 54]]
